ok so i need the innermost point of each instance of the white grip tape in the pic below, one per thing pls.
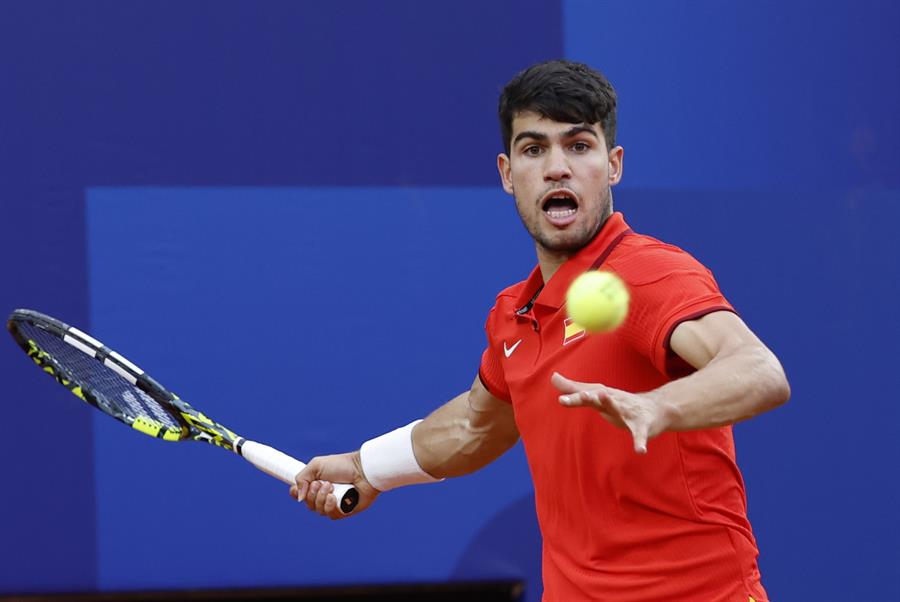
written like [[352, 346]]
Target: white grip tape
[[281, 466], [271, 461], [389, 461]]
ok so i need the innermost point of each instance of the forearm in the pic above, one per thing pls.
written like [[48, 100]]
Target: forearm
[[462, 436], [728, 389]]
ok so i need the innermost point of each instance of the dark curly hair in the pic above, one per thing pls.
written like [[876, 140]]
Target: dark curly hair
[[562, 91]]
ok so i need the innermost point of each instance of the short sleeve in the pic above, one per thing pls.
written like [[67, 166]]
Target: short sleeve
[[681, 289], [491, 370]]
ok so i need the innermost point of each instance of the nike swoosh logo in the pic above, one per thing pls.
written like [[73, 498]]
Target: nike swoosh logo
[[508, 351]]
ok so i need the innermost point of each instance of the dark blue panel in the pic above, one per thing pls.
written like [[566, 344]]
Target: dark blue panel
[[47, 504], [312, 318], [759, 95], [290, 92]]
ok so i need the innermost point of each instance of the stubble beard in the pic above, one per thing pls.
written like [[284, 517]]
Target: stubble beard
[[569, 245]]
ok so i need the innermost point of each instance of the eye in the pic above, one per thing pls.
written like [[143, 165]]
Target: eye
[[532, 151], [581, 147]]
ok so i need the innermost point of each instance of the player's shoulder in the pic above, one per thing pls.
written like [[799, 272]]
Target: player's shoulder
[[507, 299], [510, 294], [513, 290], [642, 259], [504, 304]]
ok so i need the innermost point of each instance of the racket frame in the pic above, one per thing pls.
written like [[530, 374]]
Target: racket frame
[[193, 424]]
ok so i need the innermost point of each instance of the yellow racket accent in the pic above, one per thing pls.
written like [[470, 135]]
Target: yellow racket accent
[[41, 359], [210, 431], [151, 427], [148, 426]]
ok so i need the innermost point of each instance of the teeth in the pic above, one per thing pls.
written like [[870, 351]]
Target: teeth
[[559, 214]]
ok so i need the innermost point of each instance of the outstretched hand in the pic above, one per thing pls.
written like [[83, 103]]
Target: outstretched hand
[[314, 484], [644, 414]]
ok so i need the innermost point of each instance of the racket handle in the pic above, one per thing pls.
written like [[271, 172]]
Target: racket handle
[[284, 468]]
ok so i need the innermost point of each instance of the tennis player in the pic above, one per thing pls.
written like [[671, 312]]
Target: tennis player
[[628, 434]]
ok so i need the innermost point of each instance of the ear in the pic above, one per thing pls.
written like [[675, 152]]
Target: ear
[[503, 166], [616, 158]]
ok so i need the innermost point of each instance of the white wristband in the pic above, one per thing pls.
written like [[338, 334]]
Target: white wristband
[[389, 461]]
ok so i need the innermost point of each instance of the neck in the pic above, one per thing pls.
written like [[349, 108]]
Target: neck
[[550, 261]]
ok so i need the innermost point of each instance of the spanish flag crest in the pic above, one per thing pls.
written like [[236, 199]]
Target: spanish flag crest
[[572, 331]]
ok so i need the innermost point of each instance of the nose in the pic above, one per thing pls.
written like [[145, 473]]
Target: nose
[[556, 167]]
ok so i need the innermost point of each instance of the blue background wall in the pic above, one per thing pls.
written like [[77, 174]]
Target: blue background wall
[[169, 167]]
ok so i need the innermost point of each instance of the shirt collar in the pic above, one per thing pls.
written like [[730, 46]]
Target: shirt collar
[[592, 256]]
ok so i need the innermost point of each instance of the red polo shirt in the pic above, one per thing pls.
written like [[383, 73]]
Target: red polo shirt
[[669, 525]]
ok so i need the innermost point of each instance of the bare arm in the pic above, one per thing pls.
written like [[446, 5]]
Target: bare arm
[[468, 432], [463, 435], [737, 378]]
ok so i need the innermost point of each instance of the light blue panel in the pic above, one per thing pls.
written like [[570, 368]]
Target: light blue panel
[[310, 319]]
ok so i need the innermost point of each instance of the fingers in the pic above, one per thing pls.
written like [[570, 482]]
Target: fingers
[[621, 411], [304, 478], [323, 498], [566, 385], [314, 484], [640, 434], [594, 399], [320, 499], [578, 394], [311, 489], [578, 399], [315, 490]]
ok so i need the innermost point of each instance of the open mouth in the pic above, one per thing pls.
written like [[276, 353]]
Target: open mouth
[[560, 207]]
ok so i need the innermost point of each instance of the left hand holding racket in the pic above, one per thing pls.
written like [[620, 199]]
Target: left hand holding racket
[[315, 484]]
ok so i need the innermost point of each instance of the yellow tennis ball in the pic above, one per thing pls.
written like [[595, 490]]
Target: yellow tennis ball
[[598, 301]]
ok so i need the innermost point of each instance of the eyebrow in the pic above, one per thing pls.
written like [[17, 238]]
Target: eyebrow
[[541, 137]]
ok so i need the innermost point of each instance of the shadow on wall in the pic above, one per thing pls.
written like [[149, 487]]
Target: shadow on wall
[[508, 545]]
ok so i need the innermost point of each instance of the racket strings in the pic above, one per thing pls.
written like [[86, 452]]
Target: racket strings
[[113, 394]]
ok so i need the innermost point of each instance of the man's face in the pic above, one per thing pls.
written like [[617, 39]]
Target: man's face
[[560, 175]]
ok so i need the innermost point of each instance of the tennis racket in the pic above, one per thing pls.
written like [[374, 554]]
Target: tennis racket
[[109, 382]]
